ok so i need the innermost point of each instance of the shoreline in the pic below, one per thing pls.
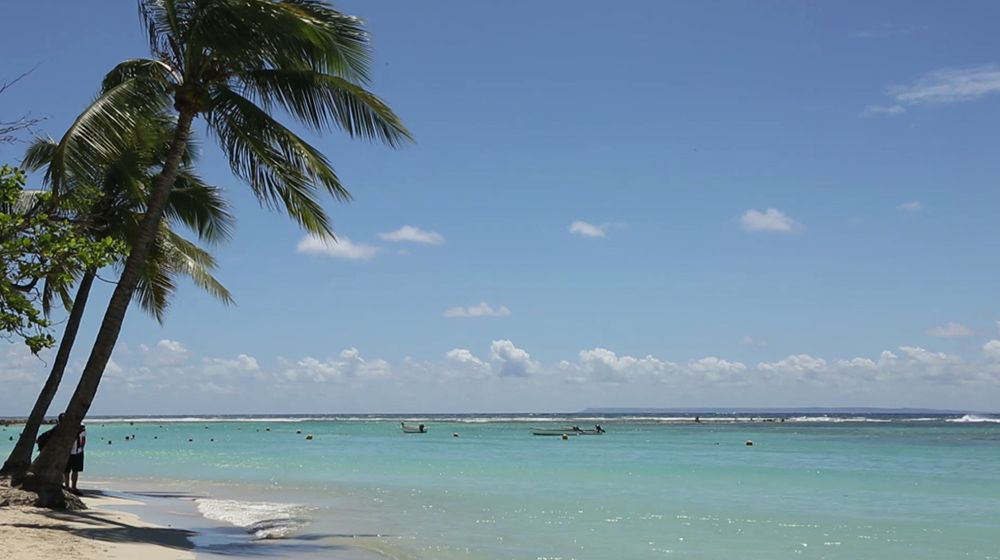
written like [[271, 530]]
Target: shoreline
[[101, 531]]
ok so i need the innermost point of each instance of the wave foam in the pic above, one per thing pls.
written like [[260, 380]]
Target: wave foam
[[974, 418], [264, 520]]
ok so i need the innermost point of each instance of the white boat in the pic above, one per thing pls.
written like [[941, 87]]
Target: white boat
[[554, 431], [568, 430], [413, 429]]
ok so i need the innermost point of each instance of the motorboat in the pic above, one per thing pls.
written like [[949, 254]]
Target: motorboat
[[554, 432], [568, 431], [410, 429]]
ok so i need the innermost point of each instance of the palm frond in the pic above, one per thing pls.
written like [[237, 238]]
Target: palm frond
[[320, 100], [103, 130], [189, 260], [200, 207], [282, 169]]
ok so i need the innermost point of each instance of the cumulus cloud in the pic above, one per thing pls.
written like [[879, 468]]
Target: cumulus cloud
[[941, 87], [481, 310], [165, 353], [588, 230], [512, 360], [414, 235], [165, 378], [951, 330], [911, 206], [769, 220], [340, 248]]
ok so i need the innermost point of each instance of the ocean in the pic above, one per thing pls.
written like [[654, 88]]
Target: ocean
[[482, 487]]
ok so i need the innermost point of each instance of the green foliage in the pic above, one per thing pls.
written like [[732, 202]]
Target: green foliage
[[36, 244]]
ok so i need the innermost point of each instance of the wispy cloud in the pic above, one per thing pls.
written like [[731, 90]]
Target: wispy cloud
[[769, 220], [911, 206], [750, 341], [585, 229], [941, 87], [951, 330], [340, 248], [413, 234], [887, 29], [883, 110], [481, 310]]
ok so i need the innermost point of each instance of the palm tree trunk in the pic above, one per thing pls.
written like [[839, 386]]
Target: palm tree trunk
[[45, 474], [20, 457]]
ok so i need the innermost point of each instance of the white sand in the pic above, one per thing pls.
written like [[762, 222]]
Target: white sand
[[40, 534]]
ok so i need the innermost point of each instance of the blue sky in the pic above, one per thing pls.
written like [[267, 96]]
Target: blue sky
[[767, 199]]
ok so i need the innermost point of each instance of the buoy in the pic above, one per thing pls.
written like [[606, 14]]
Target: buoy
[[749, 442], [454, 434], [565, 436], [309, 436], [190, 439], [298, 431]]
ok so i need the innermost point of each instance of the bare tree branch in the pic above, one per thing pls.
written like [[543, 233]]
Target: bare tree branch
[[10, 130]]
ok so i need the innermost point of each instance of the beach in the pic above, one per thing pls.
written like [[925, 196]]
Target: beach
[[100, 531], [811, 486]]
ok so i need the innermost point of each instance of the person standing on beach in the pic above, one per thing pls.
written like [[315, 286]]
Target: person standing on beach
[[75, 464]]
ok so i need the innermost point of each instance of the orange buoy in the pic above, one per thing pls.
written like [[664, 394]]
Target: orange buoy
[[565, 436]]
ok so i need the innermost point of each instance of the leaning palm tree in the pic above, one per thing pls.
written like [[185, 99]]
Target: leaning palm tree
[[231, 62], [122, 186]]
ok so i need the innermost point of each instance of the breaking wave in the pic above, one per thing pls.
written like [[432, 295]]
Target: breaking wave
[[263, 520]]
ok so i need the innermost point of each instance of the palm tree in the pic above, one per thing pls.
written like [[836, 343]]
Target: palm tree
[[231, 62], [123, 185]]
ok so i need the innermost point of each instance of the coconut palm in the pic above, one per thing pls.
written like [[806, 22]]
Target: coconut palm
[[122, 186], [231, 62]]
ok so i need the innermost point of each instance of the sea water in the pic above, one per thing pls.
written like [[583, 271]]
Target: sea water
[[484, 488]]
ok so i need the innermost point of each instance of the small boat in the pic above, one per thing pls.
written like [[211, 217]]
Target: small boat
[[413, 429], [568, 431], [595, 432], [554, 431]]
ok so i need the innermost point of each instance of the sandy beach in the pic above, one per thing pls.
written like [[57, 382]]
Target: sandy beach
[[28, 533]]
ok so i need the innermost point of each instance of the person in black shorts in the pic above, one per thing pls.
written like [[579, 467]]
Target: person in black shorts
[[74, 466]]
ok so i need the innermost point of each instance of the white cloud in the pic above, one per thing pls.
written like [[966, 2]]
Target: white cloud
[[911, 206], [942, 87], [883, 110], [992, 350], [465, 365], [340, 248], [769, 220], [481, 310], [512, 360], [509, 378], [750, 341], [413, 234], [951, 330], [165, 353], [588, 230]]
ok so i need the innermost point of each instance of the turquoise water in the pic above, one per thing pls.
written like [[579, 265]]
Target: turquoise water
[[650, 488]]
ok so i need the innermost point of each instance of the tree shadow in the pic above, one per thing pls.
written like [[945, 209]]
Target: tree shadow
[[110, 531]]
